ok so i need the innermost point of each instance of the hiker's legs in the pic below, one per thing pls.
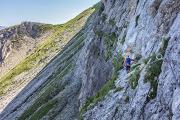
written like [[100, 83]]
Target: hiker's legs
[[128, 68]]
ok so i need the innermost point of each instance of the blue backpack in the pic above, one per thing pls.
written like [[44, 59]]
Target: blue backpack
[[128, 61]]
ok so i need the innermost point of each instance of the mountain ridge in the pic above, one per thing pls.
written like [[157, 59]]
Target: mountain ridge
[[17, 42], [56, 37]]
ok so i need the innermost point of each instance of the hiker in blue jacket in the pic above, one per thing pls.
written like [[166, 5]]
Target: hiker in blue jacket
[[127, 63]]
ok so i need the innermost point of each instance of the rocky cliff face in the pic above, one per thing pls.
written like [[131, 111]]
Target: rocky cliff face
[[150, 90], [86, 80]]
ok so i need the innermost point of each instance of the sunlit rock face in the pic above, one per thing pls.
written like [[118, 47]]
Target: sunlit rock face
[[144, 24]]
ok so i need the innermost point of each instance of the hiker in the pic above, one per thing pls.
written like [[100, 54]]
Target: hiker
[[127, 63]]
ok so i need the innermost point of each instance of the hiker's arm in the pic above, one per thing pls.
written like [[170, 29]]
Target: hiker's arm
[[132, 59]]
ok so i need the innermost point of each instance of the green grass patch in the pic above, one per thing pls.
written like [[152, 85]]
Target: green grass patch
[[43, 110], [110, 43], [118, 62], [151, 76], [112, 22], [165, 41], [98, 32], [146, 60], [154, 69], [134, 66], [99, 95], [118, 89], [134, 77]]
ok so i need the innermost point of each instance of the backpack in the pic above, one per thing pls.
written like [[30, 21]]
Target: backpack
[[128, 61]]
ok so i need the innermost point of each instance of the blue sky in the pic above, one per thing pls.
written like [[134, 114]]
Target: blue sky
[[14, 12]]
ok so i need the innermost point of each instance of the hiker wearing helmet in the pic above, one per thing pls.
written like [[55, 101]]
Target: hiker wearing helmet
[[127, 63]]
